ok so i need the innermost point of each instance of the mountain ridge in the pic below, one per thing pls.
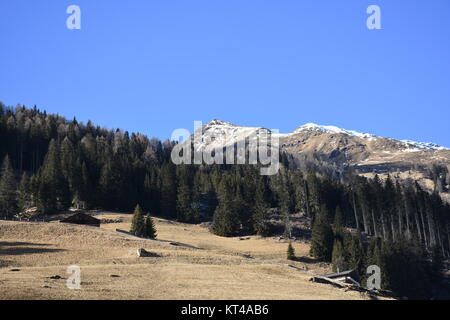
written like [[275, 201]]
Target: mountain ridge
[[330, 148], [334, 129]]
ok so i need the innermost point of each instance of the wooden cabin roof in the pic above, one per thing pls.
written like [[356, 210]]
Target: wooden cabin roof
[[81, 218], [346, 273]]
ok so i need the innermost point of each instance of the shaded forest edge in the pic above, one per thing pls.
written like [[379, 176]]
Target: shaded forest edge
[[51, 163]]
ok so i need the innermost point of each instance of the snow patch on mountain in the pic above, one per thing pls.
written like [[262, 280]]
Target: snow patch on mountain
[[410, 146], [219, 134], [414, 146], [333, 129], [222, 133]]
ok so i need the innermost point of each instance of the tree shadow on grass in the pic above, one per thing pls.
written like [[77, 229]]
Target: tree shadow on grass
[[10, 244], [21, 248], [306, 259]]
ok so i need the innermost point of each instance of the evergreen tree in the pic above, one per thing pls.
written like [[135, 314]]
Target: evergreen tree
[[338, 224], [87, 188], [260, 213], [226, 220], [437, 264], [405, 269], [322, 237], [338, 256], [168, 191], [24, 193], [314, 187], [107, 189], [8, 195], [150, 230], [373, 255], [242, 210], [154, 188], [290, 252], [138, 226], [185, 201], [53, 193], [355, 253], [70, 165], [147, 193]]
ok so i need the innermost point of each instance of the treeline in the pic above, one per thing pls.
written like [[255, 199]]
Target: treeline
[[53, 164], [63, 163], [407, 268]]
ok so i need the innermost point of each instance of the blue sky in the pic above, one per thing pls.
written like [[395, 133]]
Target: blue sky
[[156, 65]]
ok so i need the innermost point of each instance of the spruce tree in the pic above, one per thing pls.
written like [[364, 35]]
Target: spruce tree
[[338, 224], [53, 193], [155, 191], [24, 192], [339, 232], [147, 193], [8, 195], [168, 191], [226, 220], [137, 223], [338, 256], [87, 192], [290, 252], [243, 211], [260, 213], [106, 187], [69, 163], [322, 237], [150, 230], [437, 264], [185, 211], [405, 269], [355, 252]]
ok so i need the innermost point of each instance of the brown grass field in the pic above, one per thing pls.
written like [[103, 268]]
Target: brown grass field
[[201, 266]]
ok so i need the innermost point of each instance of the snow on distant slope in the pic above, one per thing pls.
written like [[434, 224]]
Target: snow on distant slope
[[222, 133], [414, 146], [410, 146], [218, 134], [333, 129]]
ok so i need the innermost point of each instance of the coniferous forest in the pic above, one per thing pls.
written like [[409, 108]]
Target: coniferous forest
[[52, 163]]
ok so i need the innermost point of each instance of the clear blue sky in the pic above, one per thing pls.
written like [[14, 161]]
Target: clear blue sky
[[156, 65]]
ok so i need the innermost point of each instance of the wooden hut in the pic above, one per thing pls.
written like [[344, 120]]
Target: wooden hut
[[344, 276], [340, 278], [82, 218]]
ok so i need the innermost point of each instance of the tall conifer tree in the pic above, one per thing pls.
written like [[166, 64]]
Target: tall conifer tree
[[8, 189], [138, 226]]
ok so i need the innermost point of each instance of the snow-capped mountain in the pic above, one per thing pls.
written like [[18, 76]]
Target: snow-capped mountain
[[412, 146], [312, 145], [332, 129], [218, 132]]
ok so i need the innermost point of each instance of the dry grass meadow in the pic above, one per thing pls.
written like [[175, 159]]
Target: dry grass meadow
[[192, 263]]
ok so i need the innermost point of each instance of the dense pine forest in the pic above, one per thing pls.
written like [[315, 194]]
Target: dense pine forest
[[52, 163]]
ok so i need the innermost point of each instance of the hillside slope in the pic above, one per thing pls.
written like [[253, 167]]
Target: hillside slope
[[192, 264]]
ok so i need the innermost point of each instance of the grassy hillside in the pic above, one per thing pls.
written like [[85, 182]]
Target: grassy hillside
[[192, 264]]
